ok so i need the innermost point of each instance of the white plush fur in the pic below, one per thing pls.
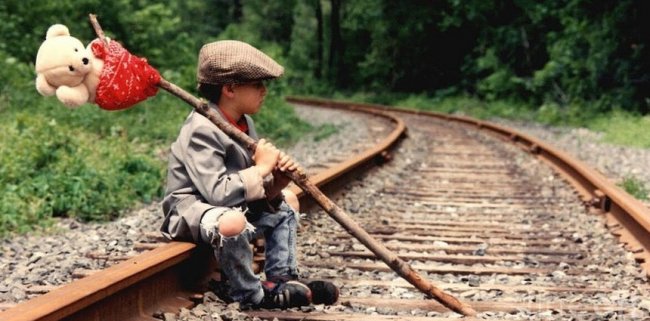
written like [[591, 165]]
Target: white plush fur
[[66, 68]]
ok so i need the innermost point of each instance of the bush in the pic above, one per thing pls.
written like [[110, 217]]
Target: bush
[[50, 169]]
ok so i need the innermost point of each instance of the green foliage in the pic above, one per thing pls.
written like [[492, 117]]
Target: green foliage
[[302, 57], [574, 52], [578, 52], [55, 169], [635, 187], [272, 21]]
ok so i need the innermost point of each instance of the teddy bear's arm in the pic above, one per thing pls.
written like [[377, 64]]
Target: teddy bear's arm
[[73, 96], [43, 87]]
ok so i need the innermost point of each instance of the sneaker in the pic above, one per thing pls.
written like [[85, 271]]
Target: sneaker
[[285, 295], [323, 292]]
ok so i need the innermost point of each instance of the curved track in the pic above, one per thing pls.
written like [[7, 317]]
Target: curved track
[[481, 219]]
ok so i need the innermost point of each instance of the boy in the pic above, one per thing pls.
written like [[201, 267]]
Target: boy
[[218, 193]]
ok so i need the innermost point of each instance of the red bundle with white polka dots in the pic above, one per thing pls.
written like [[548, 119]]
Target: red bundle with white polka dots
[[125, 80]]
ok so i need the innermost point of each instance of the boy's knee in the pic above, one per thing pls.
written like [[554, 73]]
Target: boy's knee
[[291, 199], [232, 223]]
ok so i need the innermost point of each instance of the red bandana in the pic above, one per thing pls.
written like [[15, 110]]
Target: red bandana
[[125, 79]]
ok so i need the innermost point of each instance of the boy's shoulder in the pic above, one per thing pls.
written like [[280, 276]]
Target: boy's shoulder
[[199, 125], [197, 121]]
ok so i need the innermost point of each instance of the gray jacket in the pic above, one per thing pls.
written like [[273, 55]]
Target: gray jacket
[[208, 169]]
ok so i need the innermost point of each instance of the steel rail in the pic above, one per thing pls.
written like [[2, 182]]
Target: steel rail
[[627, 217], [165, 278]]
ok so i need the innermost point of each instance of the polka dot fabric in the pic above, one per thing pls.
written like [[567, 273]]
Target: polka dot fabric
[[125, 79]]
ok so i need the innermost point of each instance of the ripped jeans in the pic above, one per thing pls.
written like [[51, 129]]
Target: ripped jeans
[[235, 256]]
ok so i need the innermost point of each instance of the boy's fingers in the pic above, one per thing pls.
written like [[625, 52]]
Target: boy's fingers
[[287, 163], [291, 167], [283, 159]]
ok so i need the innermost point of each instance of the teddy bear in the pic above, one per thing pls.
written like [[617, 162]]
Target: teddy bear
[[104, 72], [66, 68]]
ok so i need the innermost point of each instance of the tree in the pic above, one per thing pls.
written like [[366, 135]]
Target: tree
[[335, 64], [318, 71]]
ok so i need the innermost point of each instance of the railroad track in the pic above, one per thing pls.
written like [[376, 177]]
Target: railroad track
[[481, 219]]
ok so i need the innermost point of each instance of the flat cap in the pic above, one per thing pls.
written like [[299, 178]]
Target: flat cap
[[231, 61]]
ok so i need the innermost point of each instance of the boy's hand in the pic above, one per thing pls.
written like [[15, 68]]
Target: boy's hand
[[285, 164], [266, 157]]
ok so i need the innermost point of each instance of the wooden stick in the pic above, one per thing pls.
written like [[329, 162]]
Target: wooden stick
[[300, 178]]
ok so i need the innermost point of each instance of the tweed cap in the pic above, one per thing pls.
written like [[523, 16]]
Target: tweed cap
[[231, 61]]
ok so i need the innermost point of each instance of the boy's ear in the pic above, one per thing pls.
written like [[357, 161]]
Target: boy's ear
[[228, 90]]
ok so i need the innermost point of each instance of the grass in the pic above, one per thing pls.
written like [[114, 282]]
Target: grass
[[624, 129], [635, 187]]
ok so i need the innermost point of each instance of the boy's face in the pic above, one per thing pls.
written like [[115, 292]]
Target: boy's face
[[249, 96]]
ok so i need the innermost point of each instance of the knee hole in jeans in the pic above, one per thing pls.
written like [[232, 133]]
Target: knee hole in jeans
[[232, 223], [292, 200]]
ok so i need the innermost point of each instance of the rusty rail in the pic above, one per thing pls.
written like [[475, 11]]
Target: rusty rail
[[126, 289]]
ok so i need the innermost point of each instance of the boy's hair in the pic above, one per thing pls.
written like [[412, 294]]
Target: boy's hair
[[210, 92]]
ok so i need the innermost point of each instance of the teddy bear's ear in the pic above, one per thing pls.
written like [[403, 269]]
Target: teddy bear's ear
[[57, 30], [43, 87]]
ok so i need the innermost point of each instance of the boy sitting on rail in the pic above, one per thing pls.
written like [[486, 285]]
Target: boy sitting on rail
[[218, 193]]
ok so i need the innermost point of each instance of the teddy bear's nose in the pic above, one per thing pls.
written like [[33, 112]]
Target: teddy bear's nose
[[85, 61]]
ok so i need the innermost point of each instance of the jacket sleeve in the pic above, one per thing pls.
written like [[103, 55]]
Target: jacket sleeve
[[207, 167], [183, 222]]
